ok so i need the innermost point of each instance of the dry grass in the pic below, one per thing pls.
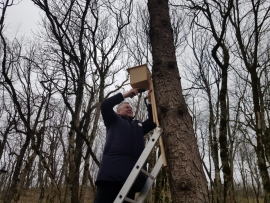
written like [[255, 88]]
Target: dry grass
[[261, 200], [32, 196]]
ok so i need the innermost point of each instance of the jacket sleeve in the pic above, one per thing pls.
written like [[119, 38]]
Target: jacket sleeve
[[107, 112], [148, 124]]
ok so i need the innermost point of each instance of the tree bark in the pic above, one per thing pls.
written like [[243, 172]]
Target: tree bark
[[186, 177]]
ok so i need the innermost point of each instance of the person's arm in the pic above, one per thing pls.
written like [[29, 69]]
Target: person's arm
[[149, 124], [107, 111], [107, 105]]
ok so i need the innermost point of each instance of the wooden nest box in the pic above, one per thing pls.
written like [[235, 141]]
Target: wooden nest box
[[140, 77]]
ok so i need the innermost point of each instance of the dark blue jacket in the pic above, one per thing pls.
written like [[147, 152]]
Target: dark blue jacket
[[124, 143]]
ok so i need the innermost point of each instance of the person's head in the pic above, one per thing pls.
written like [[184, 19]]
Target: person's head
[[124, 109]]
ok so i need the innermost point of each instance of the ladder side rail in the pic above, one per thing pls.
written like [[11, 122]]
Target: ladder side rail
[[138, 166], [149, 182]]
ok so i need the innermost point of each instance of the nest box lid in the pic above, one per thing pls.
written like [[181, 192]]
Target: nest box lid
[[140, 77]]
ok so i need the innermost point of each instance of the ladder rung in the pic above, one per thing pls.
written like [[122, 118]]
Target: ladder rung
[[130, 200], [148, 174]]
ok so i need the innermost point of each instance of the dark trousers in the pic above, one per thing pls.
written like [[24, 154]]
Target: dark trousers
[[107, 192]]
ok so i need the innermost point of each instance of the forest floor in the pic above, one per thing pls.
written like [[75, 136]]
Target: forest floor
[[33, 196]]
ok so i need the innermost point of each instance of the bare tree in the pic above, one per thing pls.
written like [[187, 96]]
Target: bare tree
[[251, 32], [204, 77], [32, 107], [84, 43], [186, 176]]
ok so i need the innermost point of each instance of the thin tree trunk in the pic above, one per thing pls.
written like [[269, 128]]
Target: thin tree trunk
[[23, 175], [260, 136], [13, 190], [223, 140], [71, 172], [84, 177]]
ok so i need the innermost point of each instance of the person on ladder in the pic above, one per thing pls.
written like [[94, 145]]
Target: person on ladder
[[124, 145]]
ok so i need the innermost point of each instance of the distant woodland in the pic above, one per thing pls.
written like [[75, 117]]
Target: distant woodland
[[52, 85]]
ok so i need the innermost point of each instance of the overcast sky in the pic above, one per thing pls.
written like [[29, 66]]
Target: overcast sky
[[21, 19]]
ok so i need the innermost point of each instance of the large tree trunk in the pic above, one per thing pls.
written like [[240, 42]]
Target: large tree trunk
[[186, 177]]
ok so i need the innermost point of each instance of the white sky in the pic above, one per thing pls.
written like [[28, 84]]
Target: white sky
[[21, 19]]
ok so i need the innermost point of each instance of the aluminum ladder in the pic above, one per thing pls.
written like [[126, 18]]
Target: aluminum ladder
[[138, 168]]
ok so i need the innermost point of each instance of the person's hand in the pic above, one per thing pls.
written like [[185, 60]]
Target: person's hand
[[131, 93]]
